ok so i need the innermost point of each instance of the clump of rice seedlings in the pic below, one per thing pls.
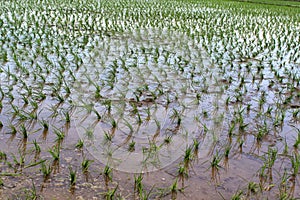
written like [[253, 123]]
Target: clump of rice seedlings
[[72, 175], [23, 131], [13, 129], [188, 156], [182, 173], [89, 132], [131, 146], [215, 165], [196, 145], [295, 161], [110, 194], [252, 188], [138, 185], [108, 136], [36, 146], [237, 196], [46, 170], [272, 156], [168, 139], [55, 153], [67, 116], [21, 161], [107, 173], [79, 144], [114, 124], [3, 156], [60, 135], [283, 186], [85, 164], [44, 124], [176, 115]]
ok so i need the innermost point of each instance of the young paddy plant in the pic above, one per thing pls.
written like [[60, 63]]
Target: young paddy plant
[[72, 176], [55, 153], [36, 147], [85, 164], [107, 172], [295, 161], [79, 144], [46, 170]]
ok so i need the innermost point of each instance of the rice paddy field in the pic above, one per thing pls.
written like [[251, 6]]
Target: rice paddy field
[[149, 99]]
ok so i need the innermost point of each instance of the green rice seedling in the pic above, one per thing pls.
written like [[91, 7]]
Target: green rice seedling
[[295, 161], [24, 131], [3, 156], [32, 192], [182, 173], [227, 151], [86, 164], [55, 153], [237, 196], [131, 146], [295, 114], [168, 139], [67, 116], [252, 188], [138, 185], [188, 156], [60, 135], [110, 194], [72, 175], [283, 186], [108, 136], [21, 160], [44, 124], [89, 132], [79, 144], [297, 142], [46, 170], [113, 123], [36, 146], [97, 114], [107, 173], [215, 163], [157, 123]]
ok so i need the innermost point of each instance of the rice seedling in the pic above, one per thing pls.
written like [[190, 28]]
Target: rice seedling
[[107, 173], [295, 161], [36, 146], [110, 194], [79, 144], [252, 188], [46, 170], [138, 185], [3, 156], [237, 196], [60, 135], [55, 153], [44, 124], [23, 131], [72, 175], [131, 146], [85, 164]]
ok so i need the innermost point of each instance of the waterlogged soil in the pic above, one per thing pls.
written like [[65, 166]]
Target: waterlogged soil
[[195, 113]]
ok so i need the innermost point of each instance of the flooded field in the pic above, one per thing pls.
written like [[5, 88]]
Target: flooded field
[[149, 100]]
